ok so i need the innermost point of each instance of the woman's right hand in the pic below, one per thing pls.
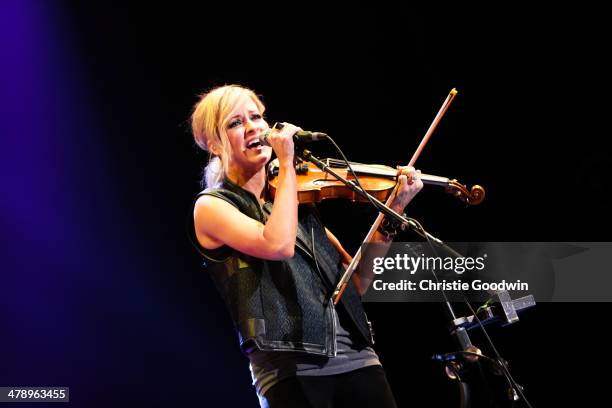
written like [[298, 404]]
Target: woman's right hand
[[282, 142]]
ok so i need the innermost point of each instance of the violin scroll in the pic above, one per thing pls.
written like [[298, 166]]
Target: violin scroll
[[473, 196]]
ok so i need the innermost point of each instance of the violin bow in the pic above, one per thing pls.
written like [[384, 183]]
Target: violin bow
[[342, 284]]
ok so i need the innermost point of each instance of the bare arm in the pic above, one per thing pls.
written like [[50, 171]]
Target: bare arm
[[220, 223]]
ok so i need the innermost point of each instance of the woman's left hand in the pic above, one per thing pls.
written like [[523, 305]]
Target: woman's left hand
[[409, 184]]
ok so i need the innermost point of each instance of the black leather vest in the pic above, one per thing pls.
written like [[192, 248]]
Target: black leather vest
[[283, 305]]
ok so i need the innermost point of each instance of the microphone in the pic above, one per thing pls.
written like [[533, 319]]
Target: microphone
[[301, 136]]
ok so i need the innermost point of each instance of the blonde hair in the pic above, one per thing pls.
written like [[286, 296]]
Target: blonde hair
[[209, 123]]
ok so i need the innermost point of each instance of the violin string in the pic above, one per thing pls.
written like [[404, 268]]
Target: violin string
[[348, 164]]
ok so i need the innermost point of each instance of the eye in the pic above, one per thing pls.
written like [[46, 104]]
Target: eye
[[233, 123], [256, 116]]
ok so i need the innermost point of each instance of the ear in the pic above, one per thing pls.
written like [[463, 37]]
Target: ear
[[213, 148]]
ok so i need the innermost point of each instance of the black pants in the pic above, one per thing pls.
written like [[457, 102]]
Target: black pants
[[366, 387]]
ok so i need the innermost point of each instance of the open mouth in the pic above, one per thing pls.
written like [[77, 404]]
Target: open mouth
[[254, 144]]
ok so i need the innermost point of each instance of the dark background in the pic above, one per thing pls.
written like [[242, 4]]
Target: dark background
[[101, 290]]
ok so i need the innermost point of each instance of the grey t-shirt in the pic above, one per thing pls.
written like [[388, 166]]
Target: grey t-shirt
[[270, 367]]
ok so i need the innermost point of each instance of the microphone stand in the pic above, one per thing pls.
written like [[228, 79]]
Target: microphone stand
[[459, 328]]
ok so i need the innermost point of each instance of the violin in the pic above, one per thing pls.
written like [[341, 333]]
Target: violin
[[315, 185]]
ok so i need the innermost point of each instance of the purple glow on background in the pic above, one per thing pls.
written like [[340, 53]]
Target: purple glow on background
[[71, 264], [36, 211], [45, 238]]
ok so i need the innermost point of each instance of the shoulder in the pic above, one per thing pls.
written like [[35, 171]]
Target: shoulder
[[210, 203], [214, 195], [210, 213]]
